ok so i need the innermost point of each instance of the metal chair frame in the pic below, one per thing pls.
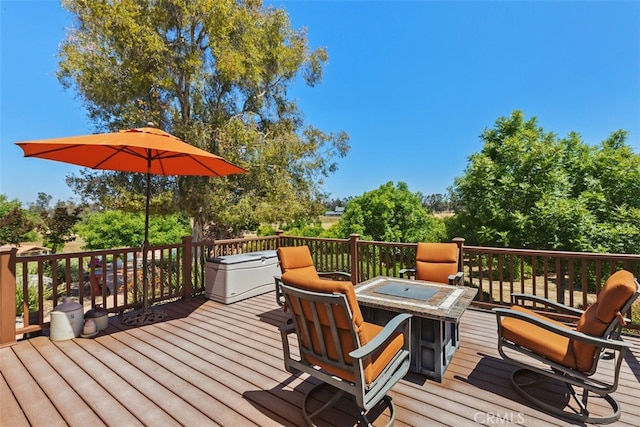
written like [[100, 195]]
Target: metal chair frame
[[609, 346], [366, 395]]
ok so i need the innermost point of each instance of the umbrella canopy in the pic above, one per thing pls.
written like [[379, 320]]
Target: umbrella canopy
[[146, 150]]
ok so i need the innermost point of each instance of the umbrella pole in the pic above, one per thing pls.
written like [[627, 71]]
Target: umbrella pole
[[147, 316], [145, 244]]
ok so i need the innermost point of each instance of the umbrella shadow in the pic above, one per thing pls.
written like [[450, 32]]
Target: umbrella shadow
[[165, 312]]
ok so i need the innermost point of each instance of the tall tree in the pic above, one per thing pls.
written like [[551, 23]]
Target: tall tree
[[390, 213], [529, 188], [57, 225], [15, 224], [118, 229], [42, 203], [215, 73], [436, 202]]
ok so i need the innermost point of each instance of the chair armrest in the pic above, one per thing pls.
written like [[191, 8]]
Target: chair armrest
[[410, 272], [518, 299], [566, 332], [279, 296], [335, 275], [400, 320], [456, 279], [287, 329]]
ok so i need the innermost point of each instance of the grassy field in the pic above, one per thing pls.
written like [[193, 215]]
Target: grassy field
[[75, 246], [328, 221]]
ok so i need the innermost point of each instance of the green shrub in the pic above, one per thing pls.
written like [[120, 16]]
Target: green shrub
[[32, 297]]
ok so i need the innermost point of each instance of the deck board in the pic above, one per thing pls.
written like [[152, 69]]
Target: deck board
[[213, 364]]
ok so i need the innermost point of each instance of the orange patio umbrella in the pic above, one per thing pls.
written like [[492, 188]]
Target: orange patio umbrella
[[147, 150]]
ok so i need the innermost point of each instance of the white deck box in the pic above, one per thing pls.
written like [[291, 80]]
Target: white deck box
[[233, 278]]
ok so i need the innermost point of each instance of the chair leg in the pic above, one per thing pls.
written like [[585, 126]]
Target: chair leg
[[388, 402], [305, 412], [392, 412], [582, 415]]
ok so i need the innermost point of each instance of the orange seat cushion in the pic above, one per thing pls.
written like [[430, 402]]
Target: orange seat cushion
[[539, 340], [435, 262]]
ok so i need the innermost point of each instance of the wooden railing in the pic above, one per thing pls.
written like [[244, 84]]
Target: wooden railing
[[572, 278], [179, 271]]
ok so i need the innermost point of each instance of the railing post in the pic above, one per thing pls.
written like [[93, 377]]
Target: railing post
[[7, 296], [353, 242], [279, 234], [460, 242], [187, 266]]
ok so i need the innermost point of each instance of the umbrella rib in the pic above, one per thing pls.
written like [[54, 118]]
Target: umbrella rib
[[208, 168], [115, 152], [54, 150], [161, 156]]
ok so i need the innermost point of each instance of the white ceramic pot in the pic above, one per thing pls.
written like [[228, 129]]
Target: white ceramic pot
[[99, 315], [66, 320], [89, 327]]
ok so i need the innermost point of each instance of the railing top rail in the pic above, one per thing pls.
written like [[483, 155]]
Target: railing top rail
[[238, 240], [552, 253], [85, 254], [394, 244], [319, 239]]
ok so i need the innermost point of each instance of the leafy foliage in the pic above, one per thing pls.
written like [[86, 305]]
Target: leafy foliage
[[117, 229], [215, 73], [16, 225], [336, 202], [436, 202], [529, 188], [32, 297], [391, 213], [305, 229], [57, 225]]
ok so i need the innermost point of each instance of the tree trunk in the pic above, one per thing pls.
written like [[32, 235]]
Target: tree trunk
[[197, 229]]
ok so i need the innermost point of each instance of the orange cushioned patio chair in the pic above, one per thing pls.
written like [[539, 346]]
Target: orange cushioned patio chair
[[298, 258], [556, 351], [437, 262], [336, 345]]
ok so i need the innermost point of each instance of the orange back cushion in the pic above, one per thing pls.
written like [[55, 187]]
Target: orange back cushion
[[373, 365], [435, 262], [594, 321], [297, 258], [343, 322]]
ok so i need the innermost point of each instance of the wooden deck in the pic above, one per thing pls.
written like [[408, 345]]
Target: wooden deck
[[215, 364]]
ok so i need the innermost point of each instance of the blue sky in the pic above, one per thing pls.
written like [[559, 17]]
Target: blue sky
[[412, 83]]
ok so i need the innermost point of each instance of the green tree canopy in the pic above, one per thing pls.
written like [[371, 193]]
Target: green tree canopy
[[16, 225], [215, 73], [529, 188], [390, 213], [57, 225], [118, 229]]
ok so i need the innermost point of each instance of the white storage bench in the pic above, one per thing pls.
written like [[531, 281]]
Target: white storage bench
[[233, 278]]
